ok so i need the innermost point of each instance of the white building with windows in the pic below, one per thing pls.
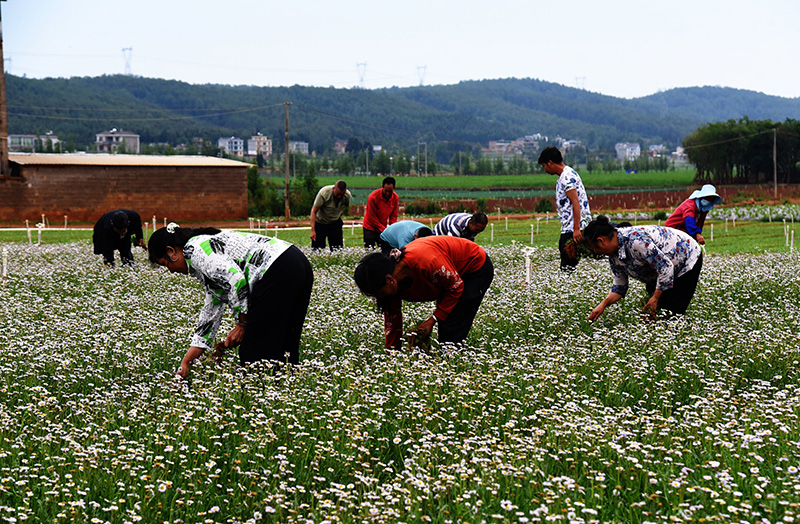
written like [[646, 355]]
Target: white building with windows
[[231, 145], [298, 147], [117, 141], [627, 151], [259, 144]]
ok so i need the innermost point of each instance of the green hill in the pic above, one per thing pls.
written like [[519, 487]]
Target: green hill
[[448, 117]]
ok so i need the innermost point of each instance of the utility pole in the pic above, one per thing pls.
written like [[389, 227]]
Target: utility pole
[[4, 170], [286, 161], [366, 153], [775, 159]]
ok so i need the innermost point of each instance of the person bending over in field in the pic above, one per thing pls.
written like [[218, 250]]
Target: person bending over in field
[[452, 271], [401, 233], [691, 214], [668, 261], [462, 225], [266, 282]]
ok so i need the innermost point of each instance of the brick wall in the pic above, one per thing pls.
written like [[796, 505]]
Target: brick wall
[[84, 193]]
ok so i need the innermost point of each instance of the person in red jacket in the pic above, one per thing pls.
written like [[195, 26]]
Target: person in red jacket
[[454, 272], [690, 216], [382, 207]]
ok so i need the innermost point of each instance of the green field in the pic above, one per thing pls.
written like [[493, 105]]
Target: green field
[[543, 416], [679, 178], [745, 237]]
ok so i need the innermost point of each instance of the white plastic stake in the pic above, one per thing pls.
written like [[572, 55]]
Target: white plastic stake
[[528, 269], [5, 265], [791, 249], [65, 221], [165, 221], [28, 229], [431, 220], [734, 221], [145, 231], [506, 223], [39, 228], [537, 224], [251, 223], [712, 232], [726, 224], [154, 223], [43, 222], [531, 234], [492, 235], [634, 220], [352, 229]]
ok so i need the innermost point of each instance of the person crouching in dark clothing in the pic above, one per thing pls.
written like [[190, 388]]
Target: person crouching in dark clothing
[[114, 232]]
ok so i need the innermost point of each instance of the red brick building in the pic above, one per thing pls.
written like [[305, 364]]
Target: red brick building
[[83, 187]]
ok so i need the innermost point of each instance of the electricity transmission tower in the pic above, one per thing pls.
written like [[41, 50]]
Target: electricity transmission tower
[[421, 73], [126, 55], [362, 71]]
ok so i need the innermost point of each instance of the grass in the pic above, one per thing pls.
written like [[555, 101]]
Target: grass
[[747, 236], [678, 178]]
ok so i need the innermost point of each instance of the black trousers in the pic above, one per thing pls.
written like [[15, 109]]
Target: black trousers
[[567, 263], [277, 309], [371, 238], [678, 298], [332, 231], [123, 245], [456, 328]]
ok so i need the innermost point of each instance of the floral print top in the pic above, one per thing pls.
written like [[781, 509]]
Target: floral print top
[[652, 254], [228, 265], [567, 181]]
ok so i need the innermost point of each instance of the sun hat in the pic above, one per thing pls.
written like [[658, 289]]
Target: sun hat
[[708, 192]]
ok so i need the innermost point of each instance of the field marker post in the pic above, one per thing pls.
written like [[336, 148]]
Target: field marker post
[[165, 221], [39, 229], [5, 265], [734, 221], [154, 223], [726, 224], [28, 229], [251, 223], [491, 239], [65, 221], [537, 224], [791, 249], [506, 223], [527, 267], [531, 234], [634, 219], [712, 232], [43, 221], [352, 228], [431, 221]]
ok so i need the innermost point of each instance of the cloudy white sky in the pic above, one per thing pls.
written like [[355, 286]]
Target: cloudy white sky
[[624, 48]]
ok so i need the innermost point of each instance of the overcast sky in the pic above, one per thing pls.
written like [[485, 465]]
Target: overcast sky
[[616, 47]]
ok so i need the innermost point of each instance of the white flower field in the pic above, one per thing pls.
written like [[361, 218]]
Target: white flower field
[[543, 417]]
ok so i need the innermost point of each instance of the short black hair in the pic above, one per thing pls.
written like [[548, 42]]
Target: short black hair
[[479, 218], [550, 154], [389, 180], [599, 227], [424, 231], [341, 185]]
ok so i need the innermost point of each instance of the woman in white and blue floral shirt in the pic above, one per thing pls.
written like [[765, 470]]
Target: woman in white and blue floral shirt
[[266, 282], [668, 261]]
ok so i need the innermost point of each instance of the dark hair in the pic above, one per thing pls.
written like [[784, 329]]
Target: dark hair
[[341, 185], [479, 218], [120, 219], [424, 231], [599, 227], [550, 154], [161, 239], [624, 224], [389, 180]]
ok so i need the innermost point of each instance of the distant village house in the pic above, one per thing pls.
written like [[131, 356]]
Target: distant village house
[[117, 141]]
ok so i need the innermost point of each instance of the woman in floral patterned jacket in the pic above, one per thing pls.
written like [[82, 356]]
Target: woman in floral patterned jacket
[[668, 261], [266, 282]]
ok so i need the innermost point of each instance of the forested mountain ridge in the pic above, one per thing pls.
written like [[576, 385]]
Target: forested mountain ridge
[[467, 114]]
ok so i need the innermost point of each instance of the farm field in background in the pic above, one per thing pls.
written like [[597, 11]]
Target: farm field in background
[[543, 416], [677, 178]]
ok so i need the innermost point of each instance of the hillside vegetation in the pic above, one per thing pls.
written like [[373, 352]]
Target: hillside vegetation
[[449, 118]]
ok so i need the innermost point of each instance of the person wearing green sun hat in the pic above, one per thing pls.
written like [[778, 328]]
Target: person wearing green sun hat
[[691, 214]]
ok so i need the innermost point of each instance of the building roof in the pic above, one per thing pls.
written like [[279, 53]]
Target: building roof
[[83, 159]]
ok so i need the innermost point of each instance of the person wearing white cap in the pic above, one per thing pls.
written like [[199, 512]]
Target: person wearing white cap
[[691, 214]]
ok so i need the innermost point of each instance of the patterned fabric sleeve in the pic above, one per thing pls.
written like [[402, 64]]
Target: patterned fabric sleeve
[[208, 324], [620, 282], [223, 281]]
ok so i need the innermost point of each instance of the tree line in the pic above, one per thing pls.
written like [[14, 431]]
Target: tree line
[[741, 151]]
